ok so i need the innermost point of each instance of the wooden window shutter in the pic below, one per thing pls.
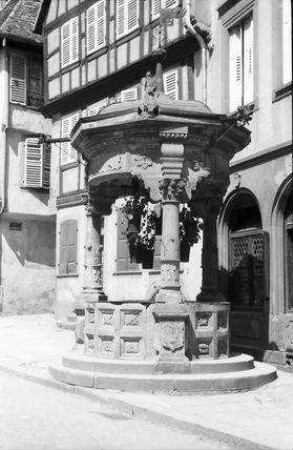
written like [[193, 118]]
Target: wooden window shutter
[[91, 29], [129, 95], [69, 42], [68, 247], [236, 77], [18, 79], [132, 14], [46, 166], [122, 242], [74, 40], [68, 153], [287, 40], [170, 3], [65, 44], [33, 172], [156, 8], [248, 61], [120, 17], [101, 24], [171, 84], [71, 246]]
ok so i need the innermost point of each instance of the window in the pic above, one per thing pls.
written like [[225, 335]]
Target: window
[[18, 77], [68, 153], [69, 42], [289, 252], [129, 94], [241, 64], [127, 16], [96, 26], [68, 248], [129, 257], [287, 41], [36, 159], [25, 80], [158, 5], [171, 84]]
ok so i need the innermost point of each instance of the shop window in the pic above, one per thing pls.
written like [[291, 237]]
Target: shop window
[[289, 253], [241, 64], [96, 26], [69, 42], [127, 14], [36, 162], [68, 248]]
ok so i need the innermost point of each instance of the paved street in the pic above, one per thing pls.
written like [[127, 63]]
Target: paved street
[[38, 417]]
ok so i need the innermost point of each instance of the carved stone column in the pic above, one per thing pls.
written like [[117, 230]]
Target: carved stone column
[[209, 290], [93, 284], [170, 313]]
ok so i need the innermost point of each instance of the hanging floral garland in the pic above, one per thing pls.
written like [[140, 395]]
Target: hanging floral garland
[[141, 229]]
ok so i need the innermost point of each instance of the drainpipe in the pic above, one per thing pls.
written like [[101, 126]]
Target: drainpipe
[[204, 48], [4, 126]]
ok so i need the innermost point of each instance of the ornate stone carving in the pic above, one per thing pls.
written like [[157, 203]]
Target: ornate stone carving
[[149, 108], [131, 347], [170, 274], [107, 319], [172, 188], [106, 345], [131, 319], [173, 335], [115, 164], [203, 319], [143, 162], [203, 348]]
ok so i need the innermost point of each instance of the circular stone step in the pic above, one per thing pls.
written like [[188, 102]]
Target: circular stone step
[[168, 383], [235, 363]]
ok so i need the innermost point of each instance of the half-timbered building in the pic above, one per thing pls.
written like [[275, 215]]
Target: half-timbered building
[[226, 54]]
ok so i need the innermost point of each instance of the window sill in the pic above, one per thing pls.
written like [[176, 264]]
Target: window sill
[[127, 36], [282, 91], [127, 272], [70, 66], [68, 275]]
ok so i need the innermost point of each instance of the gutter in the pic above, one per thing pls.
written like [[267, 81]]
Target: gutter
[[194, 30], [4, 127]]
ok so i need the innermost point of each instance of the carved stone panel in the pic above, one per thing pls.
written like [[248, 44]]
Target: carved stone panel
[[173, 335]]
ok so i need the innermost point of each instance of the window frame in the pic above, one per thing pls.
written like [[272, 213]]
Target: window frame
[[126, 29], [96, 45], [66, 273], [177, 81], [154, 15], [240, 24], [71, 58], [17, 55], [44, 164]]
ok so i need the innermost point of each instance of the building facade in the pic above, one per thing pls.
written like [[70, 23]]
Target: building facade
[[222, 53], [27, 216]]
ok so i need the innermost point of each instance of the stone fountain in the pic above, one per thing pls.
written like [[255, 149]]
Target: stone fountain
[[176, 152]]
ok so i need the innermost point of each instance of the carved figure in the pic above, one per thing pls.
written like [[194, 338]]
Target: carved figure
[[150, 107]]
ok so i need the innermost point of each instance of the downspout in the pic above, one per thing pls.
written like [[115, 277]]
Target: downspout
[[4, 126], [204, 48]]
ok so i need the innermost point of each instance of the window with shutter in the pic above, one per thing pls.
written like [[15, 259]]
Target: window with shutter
[[241, 64], [68, 153], [68, 248], [96, 26], [129, 95], [69, 42], [158, 5], [127, 14], [171, 84], [36, 164], [18, 75]]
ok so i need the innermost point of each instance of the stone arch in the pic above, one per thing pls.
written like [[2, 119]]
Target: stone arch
[[279, 271]]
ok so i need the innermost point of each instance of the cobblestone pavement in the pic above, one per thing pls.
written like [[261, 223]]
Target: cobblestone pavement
[[39, 417], [264, 417]]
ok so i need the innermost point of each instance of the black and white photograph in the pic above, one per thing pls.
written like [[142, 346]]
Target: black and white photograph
[[146, 225]]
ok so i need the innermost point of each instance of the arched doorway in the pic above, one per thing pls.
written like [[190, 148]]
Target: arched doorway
[[247, 274]]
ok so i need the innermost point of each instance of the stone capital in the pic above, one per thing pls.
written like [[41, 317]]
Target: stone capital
[[173, 190]]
